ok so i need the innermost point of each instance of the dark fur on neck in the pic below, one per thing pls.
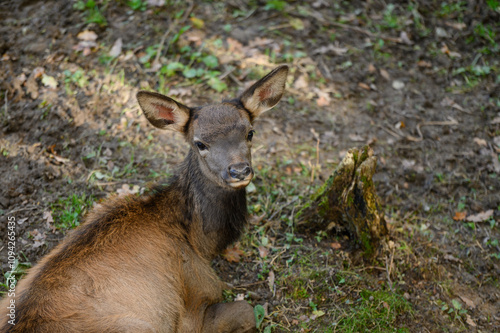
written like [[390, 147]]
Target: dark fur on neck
[[223, 212]]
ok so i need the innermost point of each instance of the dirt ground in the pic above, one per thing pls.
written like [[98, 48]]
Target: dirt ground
[[418, 81]]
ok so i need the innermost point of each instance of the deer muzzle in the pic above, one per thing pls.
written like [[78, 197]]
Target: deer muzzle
[[240, 175]]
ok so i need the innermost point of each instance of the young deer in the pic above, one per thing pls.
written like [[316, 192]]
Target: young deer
[[143, 264]]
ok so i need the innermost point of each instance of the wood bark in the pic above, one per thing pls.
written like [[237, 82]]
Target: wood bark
[[348, 200]]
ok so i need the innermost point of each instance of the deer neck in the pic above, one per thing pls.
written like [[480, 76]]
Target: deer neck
[[215, 216]]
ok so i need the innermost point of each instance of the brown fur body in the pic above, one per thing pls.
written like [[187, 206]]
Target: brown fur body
[[142, 264]]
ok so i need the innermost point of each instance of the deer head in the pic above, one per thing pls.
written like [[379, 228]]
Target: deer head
[[220, 135]]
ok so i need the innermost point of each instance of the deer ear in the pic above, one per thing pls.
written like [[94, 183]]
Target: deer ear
[[162, 111], [266, 92]]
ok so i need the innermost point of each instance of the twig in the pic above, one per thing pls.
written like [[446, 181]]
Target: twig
[[156, 62], [365, 32], [281, 208], [430, 123], [388, 270], [249, 284], [22, 209], [6, 104]]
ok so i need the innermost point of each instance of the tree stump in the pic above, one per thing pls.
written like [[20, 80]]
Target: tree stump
[[348, 200]]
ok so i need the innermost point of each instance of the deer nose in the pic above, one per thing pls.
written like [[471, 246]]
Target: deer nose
[[240, 170]]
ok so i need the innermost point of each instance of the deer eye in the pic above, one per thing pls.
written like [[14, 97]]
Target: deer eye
[[250, 135], [200, 145]]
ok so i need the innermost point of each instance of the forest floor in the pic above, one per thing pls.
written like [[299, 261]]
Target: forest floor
[[418, 81]]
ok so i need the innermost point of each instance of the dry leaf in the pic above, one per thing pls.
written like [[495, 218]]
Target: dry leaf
[[156, 3], [459, 216], [323, 101], [49, 81], [197, 22], [456, 25], [468, 302], [480, 142], [403, 36], [371, 68], [297, 23], [335, 245], [452, 54], [263, 251], [233, 254], [483, 216], [335, 49], [364, 86], [451, 258], [87, 35], [116, 50], [425, 64], [38, 72], [301, 82], [398, 85], [470, 321], [385, 74], [270, 279], [356, 138]]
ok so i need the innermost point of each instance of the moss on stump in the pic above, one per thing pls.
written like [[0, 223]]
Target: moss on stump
[[348, 200]]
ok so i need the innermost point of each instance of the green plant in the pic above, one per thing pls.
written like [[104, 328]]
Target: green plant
[[137, 5], [278, 5], [68, 211], [14, 275], [93, 13], [374, 311]]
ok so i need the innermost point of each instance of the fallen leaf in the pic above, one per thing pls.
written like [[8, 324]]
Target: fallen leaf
[[470, 321], [356, 138], [21, 221], [423, 63], [334, 48], [263, 251], [398, 85], [270, 280], [38, 72], [364, 86], [87, 35], [456, 25], [385, 74], [371, 68], [386, 305], [316, 314], [496, 162], [451, 54], [483, 216], [403, 36], [468, 302], [301, 82], [459, 216], [125, 189], [450, 257], [197, 22], [116, 50], [496, 141], [297, 23], [49, 81], [480, 142], [156, 3], [323, 101], [335, 245], [233, 254], [495, 121]]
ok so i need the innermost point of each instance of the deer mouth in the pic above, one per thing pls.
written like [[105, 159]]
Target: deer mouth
[[236, 183]]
